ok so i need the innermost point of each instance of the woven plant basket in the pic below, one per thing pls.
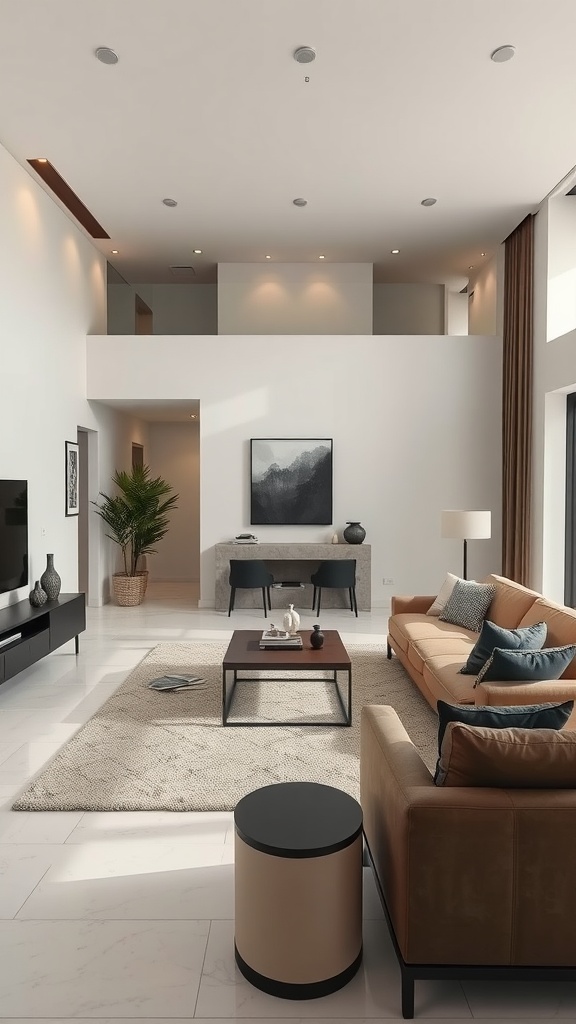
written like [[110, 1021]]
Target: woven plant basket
[[129, 590]]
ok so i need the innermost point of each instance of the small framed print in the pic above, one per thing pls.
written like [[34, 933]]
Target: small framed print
[[291, 481], [72, 490]]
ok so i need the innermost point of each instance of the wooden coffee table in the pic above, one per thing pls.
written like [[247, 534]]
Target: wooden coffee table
[[244, 656]]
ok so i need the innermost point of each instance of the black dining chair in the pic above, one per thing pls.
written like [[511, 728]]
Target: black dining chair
[[339, 573], [249, 574]]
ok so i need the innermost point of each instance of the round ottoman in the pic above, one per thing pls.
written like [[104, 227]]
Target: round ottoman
[[298, 889]]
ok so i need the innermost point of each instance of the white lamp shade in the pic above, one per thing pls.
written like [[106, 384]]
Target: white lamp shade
[[460, 525]]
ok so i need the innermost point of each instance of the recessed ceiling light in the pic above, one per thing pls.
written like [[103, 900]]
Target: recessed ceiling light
[[198, 252], [114, 252], [394, 252], [300, 202], [304, 54], [267, 257], [321, 257], [471, 267], [170, 202], [502, 53], [192, 415], [42, 159], [482, 253], [106, 55], [428, 202]]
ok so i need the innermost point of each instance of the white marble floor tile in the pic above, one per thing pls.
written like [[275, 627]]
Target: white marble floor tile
[[373, 993], [100, 968], [519, 999], [37, 826], [125, 880], [21, 868], [209, 827], [371, 904], [27, 760]]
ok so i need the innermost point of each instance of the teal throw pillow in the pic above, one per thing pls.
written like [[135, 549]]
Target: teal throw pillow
[[468, 604], [530, 666], [521, 716], [525, 638]]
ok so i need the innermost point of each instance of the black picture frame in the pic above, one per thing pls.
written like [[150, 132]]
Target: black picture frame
[[291, 481], [72, 493]]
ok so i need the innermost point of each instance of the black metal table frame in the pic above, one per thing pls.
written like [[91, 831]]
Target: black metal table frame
[[228, 695]]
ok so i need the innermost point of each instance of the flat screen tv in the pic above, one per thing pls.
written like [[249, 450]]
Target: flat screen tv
[[13, 534]]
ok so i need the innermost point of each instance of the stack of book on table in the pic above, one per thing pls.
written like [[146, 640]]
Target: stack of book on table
[[279, 639]]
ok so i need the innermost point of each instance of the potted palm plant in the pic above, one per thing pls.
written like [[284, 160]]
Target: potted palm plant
[[137, 518]]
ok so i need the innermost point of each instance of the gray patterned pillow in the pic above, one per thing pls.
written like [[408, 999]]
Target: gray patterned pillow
[[468, 604]]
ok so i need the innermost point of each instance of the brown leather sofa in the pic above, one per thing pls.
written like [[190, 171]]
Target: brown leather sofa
[[475, 882], [432, 651]]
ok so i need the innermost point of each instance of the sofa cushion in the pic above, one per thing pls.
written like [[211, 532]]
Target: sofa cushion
[[420, 651], [510, 602], [511, 758], [443, 594], [526, 638], [407, 626], [444, 680], [550, 715], [468, 604], [529, 666], [561, 622]]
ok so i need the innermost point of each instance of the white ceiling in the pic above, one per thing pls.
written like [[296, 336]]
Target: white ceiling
[[207, 106]]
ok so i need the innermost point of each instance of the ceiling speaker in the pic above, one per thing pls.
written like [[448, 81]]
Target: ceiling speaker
[[305, 54], [106, 55]]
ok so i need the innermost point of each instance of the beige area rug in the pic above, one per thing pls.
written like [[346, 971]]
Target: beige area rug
[[145, 750]]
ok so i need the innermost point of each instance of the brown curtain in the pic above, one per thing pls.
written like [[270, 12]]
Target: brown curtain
[[517, 403]]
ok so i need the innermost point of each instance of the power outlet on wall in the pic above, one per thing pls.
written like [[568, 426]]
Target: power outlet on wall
[[387, 581]]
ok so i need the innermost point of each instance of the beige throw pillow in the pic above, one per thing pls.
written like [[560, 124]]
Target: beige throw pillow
[[444, 594]]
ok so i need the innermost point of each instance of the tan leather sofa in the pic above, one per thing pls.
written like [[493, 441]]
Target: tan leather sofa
[[432, 651], [475, 882]]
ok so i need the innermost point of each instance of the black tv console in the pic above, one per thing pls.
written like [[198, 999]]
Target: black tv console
[[28, 634]]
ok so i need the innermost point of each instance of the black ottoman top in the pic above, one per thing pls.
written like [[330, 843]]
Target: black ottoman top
[[298, 819]]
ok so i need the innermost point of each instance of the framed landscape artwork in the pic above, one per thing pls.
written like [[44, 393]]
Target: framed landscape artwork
[[291, 481], [72, 454]]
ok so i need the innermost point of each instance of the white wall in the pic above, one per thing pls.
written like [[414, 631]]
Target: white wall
[[455, 312], [53, 285], [408, 309], [561, 307], [174, 454], [294, 298], [181, 308], [415, 422], [483, 298]]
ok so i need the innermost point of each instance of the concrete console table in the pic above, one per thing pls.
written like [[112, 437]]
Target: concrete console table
[[293, 563]]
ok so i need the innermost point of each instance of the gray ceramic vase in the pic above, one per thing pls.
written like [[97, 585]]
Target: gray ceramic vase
[[37, 597], [50, 580], [354, 533]]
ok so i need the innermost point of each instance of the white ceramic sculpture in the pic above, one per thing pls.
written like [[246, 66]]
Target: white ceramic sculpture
[[291, 620]]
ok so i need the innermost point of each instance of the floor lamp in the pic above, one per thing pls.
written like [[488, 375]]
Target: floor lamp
[[465, 526]]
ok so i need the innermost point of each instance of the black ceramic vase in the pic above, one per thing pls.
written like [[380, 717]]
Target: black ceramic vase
[[354, 533], [37, 597], [316, 638], [50, 580]]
